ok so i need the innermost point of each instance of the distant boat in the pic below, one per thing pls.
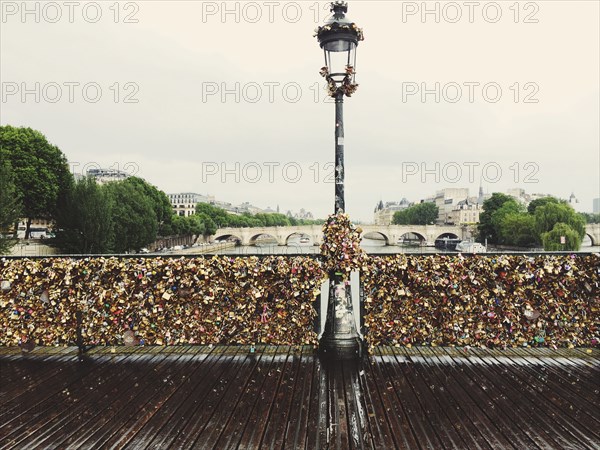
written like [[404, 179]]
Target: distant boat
[[470, 247], [304, 240], [446, 243]]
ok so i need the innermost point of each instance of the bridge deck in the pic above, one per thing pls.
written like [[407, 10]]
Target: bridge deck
[[284, 397]]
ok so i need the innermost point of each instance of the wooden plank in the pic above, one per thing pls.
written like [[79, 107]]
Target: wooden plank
[[402, 429], [317, 430], [560, 391], [167, 413], [64, 365], [338, 408], [446, 406], [545, 401], [405, 394], [355, 406], [239, 400], [295, 434], [54, 399], [514, 403], [425, 392], [220, 402], [99, 400], [379, 433], [201, 400], [10, 372], [260, 381], [31, 400], [269, 422], [142, 397], [468, 396], [576, 373], [476, 424]]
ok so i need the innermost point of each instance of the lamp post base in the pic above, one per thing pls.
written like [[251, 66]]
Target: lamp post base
[[340, 349], [340, 339]]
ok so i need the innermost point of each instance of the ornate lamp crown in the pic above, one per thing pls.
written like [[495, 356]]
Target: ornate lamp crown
[[338, 36]]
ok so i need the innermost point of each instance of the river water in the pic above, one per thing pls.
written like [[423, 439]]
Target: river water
[[371, 246]]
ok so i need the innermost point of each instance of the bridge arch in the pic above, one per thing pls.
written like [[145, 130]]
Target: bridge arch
[[301, 235], [254, 238], [447, 235], [592, 239], [371, 234], [226, 237], [412, 236]]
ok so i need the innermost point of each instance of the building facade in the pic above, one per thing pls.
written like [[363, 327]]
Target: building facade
[[384, 213], [184, 204]]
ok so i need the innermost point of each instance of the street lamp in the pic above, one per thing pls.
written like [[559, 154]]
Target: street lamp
[[338, 38]]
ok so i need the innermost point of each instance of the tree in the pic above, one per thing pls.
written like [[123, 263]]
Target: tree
[[210, 227], [41, 172], [590, 217], [10, 206], [134, 218], [85, 222], [421, 214], [160, 203], [487, 229], [510, 207], [552, 239], [547, 216], [533, 205], [218, 215], [518, 229]]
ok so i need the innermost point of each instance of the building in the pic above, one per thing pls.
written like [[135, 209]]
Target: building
[[447, 200], [103, 176], [184, 204], [384, 214], [596, 206], [465, 212]]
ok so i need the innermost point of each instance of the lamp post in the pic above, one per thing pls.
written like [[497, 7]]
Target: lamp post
[[338, 38]]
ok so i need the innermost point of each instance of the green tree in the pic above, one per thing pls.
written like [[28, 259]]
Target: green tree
[[421, 214], [84, 223], [510, 207], [134, 218], [518, 229], [590, 217], [160, 203], [487, 229], [533, 205], [10, 207], [196, 225], [547, 216], [41, 172], [210, 227], [552, 239], [218, 215]]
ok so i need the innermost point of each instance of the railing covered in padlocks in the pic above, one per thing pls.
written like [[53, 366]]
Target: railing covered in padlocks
[[487, 300]]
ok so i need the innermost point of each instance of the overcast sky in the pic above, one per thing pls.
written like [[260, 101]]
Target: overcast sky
[[226, 99]]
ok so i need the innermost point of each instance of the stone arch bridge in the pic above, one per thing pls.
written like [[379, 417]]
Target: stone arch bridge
[[390, 233]]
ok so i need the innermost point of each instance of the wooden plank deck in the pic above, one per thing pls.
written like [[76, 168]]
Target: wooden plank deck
[[286, 398]]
